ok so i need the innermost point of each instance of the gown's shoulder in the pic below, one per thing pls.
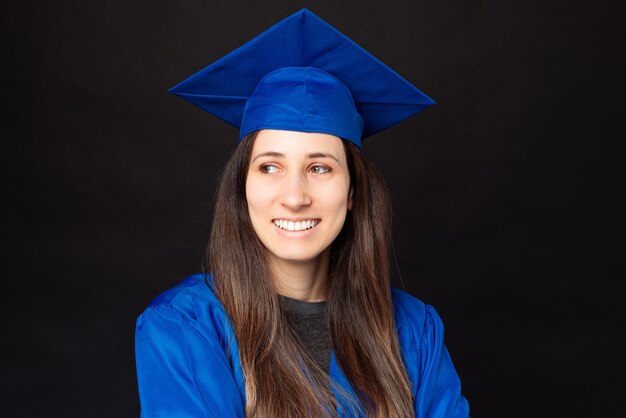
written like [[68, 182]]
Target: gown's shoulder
[[187, 355], [435, 383], [410, 312], [194, 287], [405, 301], [192, 301]]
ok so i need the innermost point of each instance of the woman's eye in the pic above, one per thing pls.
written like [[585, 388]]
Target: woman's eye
[[269, 169], [320, 169]]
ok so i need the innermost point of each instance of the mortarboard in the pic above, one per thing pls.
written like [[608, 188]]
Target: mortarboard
[[304, 75]]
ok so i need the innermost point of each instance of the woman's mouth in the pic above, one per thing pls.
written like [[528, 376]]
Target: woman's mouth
[[301, 225]]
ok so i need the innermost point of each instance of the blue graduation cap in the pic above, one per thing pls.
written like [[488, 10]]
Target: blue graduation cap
[[304, 75]]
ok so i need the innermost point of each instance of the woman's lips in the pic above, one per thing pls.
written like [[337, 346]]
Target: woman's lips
[[298, 225]]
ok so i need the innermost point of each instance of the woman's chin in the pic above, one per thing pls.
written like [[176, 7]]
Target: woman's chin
[[296, 257]]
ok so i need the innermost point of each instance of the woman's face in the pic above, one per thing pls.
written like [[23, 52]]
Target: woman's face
[[298, 193]]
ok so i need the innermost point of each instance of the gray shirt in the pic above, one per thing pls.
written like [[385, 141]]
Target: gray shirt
[[308, 321]]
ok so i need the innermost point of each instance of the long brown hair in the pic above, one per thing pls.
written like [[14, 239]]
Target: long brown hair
[[280, 377]]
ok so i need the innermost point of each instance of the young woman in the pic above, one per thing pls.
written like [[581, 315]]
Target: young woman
[[294, 315]]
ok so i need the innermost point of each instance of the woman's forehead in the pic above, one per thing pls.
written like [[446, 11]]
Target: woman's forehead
[[297, 143]]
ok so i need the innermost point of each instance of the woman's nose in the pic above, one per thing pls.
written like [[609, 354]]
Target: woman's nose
[[295, 192]]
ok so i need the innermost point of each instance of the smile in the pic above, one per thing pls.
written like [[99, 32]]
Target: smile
[[297, 225]]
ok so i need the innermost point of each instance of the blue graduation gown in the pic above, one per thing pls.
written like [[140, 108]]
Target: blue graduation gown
[[188, 362]]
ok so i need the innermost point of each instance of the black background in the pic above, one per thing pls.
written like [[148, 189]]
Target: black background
[[505, 193]]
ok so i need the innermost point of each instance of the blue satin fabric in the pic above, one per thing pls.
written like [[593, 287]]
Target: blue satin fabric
[[303, 99], [188, 363], [357, 96]]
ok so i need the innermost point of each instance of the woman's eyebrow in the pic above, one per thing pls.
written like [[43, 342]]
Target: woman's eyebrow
[[272, 154], [322, 155], [275, 154]]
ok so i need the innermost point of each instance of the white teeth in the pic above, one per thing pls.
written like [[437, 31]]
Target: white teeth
[[295, 226]]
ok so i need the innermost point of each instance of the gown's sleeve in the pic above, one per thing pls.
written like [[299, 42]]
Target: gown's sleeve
[[171, 351], [439, 389]]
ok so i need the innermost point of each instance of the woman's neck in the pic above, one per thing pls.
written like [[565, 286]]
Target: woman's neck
[[302, 280]]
